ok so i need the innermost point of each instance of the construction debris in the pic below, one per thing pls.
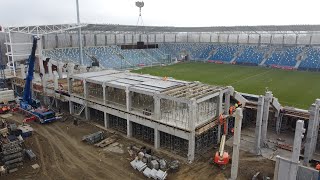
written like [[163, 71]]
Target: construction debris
[[106, 142], [154, 164], [35, 166], [30, 154]]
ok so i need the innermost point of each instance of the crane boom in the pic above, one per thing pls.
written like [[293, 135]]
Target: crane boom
[[27, 94]]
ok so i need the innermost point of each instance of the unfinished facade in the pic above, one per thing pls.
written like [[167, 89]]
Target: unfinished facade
[[170, 114]]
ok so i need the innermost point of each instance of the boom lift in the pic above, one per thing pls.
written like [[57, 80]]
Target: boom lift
[[222, 157], [27, 103]]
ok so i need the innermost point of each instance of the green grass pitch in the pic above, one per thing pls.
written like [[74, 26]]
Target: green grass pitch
[[292, 88]]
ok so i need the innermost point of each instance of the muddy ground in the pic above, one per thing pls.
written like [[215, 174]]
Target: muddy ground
[[62, 155]]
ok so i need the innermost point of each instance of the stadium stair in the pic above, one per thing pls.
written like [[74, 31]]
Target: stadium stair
[[267, 55]]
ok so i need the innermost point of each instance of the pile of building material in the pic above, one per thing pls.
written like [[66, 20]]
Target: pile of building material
[[148, 172], [12, 155], [150, 166], [11, 147], [106, 142], [93, 138], [6, 96]]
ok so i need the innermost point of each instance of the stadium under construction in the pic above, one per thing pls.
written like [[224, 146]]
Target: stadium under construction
[[170, 115]]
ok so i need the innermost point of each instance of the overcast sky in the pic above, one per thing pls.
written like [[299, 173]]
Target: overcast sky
[[162, 12]]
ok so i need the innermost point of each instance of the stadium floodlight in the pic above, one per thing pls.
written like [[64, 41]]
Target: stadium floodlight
[[140, 5]]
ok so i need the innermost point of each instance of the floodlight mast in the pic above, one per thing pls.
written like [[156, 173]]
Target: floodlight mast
[[140, 5], [79, 34]]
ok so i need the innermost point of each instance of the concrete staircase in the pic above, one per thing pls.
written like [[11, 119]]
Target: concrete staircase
[[212, 53], [237, 54], [297, 64], [267, 56]]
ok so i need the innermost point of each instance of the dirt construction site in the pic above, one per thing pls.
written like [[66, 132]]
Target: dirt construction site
[[60, 154]]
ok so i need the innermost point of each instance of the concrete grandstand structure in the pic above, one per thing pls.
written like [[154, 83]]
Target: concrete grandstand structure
[[163, 112]]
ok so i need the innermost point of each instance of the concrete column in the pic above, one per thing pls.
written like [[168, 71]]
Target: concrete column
[[128, 105], [50, 69], [192, 120], [156, 138], [87, 112], [192, 115], [69, 81], [41, 66], [128, 99], [236, 143], [129, 128], [257, 149], [298, 136], [267, 99], [293, 167], [312, 134], [70, 68], [85, 89], [191, 146], [23, 72], [157, 111], [219, 112], [226, 107], [106, 120], [71, 110], [55, 82], [60, 66], [44, 85], [104, 91]]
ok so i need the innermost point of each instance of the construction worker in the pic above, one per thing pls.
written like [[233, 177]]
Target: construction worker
[[232, 109]]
